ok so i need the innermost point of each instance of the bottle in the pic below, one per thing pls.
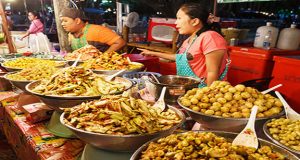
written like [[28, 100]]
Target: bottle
[[262, 31], [267, 40], [289, 38]]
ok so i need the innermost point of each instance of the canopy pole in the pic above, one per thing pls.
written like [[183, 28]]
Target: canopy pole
[[11, 47]]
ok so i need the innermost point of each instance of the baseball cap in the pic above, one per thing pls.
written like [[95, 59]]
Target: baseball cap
[[73, 13]]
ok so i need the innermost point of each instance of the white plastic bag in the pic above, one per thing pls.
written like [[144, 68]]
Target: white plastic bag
[[39, 43]]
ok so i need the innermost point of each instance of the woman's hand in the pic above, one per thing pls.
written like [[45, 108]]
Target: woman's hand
[[146, 52]]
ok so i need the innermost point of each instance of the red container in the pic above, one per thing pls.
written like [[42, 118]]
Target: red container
[[286, 71], [167, 68], [252, 63], [151, 63]]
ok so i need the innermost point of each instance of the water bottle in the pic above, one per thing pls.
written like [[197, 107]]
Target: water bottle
[[267, 41]]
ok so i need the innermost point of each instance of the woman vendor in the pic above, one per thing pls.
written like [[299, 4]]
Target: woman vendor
[[204, 53], [82, 33]]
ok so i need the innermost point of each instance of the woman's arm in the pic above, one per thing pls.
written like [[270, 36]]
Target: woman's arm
[[25, 35], [213, 65], [158, 54], [118, 44]]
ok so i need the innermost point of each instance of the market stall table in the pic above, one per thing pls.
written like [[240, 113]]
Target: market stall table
[[33, 141]]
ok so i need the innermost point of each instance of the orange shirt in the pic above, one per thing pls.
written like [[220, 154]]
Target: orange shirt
[[99, 36], [207, 42]]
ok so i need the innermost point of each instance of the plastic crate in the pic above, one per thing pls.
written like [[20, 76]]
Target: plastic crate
[[248, 63], [286, 72], [136, 77]]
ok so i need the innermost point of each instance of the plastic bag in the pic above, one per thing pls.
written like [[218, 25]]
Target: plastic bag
[[39, 42]]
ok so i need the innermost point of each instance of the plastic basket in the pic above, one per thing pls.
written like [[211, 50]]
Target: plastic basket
[[136, 77]]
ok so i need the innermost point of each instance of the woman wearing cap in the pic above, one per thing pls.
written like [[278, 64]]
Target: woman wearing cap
[[204, 53], [36, 25], [82, 33]]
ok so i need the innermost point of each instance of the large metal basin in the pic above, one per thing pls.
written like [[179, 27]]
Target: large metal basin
[[229, 136], [175, 86], [268, 134], [12, 69], [117, 142], [211, 122], [57, 102], [17, 83], [110, 72]]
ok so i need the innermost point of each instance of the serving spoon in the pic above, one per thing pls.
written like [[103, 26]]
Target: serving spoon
[[157, 81], [289, 112], [160, 103], [111, 77], [271, 89], [76, 61], [248, 136]]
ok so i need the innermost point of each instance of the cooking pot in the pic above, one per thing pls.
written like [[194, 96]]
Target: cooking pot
[[175, 86]]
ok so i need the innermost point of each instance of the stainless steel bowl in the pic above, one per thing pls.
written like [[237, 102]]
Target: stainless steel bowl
[[57, 102], [17, 83], [175, 86], [211, 122], [120, 142], [110, 72], [229, 136], [11, 69], [268, 134]]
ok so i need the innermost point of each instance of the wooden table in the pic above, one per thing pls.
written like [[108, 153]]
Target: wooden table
[[153, 46]]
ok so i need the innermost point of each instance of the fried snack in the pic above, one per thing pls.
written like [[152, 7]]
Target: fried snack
[[37, 72], [87, 52], [222, 99], [286, 132], [76, 81], [204, 145], [110, 61], [28, 62], [120, 115]]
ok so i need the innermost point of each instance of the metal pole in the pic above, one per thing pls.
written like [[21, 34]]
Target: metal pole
[[25, 5], [215, 7]]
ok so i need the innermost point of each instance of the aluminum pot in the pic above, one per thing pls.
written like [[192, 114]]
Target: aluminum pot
[[175, 86], [229, 136], [211, 122], [123, 143], [268, 134]]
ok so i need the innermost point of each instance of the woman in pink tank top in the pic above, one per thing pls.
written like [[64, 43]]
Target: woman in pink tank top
[[36, 25], [204, 53]]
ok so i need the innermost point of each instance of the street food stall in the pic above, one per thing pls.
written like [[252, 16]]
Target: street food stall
[[88, 105]]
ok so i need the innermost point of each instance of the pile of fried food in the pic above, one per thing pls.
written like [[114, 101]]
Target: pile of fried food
[[87, 52], [204, 146], [77, 81], [286, 131], [37, 72], [120, 115], [28, 62], [225, 100], [111, 61]]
